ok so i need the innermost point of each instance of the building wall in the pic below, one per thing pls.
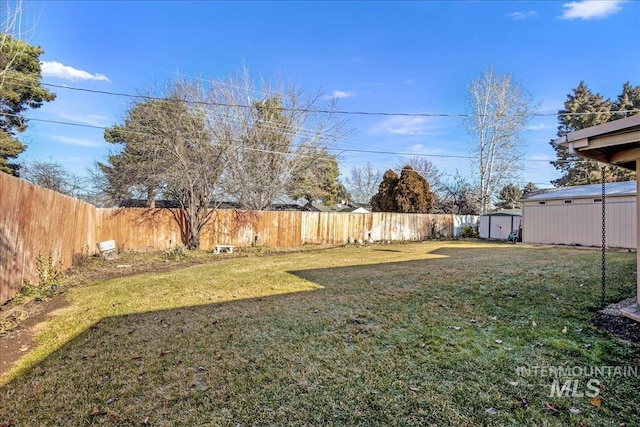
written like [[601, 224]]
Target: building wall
[[579, 221]]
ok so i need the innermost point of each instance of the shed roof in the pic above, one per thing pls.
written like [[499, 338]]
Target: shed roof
[[503, 214], [627, 188]]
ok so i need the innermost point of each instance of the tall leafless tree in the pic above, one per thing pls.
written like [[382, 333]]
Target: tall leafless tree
[[499, 111], [271, 131], [363, 183]]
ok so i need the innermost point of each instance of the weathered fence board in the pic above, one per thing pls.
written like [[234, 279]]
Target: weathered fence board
[[35, 221]]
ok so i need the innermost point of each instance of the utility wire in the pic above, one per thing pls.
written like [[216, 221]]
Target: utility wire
[[324, 111], [349, 150], [302, 131]]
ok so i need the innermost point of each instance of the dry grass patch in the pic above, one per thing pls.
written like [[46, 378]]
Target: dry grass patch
[[413, 334]]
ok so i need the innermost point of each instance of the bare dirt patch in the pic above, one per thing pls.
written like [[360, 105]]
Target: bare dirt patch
[[15, 343]]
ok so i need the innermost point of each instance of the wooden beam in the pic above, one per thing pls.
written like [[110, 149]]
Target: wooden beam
[[626, 156], [594, 155], [579, 143]]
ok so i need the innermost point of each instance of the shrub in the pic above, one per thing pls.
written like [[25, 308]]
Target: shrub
[[176, 253], [49, 269], [469, 231]]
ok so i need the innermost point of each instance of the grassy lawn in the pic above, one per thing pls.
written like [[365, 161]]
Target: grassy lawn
[[412, 334]]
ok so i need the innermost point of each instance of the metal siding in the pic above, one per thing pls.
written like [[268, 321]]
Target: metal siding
[[498, 226], [483, 227], [580, 223]]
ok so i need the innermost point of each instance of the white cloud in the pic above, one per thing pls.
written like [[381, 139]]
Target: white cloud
[[343, 94], [89, 119], [400, 125], [518, 16], [337, 94], [78, 142], [65, 72], [539, 126], [591, 9]]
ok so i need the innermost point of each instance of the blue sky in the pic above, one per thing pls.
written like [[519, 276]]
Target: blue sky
[[391, 57]]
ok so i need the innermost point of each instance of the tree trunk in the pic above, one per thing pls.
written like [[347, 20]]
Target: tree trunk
[[151, 198], [194, 240]]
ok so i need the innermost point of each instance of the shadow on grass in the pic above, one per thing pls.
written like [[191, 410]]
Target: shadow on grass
[[375, 345]]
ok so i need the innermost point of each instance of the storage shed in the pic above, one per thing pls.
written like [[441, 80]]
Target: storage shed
[[499, 225], [573, 215]]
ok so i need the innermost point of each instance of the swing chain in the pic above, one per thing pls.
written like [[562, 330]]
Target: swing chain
[[604, 235]]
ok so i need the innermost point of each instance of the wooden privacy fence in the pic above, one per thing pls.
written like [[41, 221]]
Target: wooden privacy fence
[[36, 221], [139, 229]]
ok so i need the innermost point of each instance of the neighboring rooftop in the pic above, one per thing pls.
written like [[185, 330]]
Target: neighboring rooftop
[[142, 203], [627, 188]]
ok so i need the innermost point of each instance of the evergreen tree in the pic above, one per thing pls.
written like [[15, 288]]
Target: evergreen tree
[[529, 188], [407, 193], [413, 193], [509, 197], [20, 89], [584, 109], [384, 200], [628, 102], [132, 169], [317, 179]]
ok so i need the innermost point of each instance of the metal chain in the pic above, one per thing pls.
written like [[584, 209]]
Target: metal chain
[[604, 239]]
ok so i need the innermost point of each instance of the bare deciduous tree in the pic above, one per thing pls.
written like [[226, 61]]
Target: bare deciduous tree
[[52, 175], [363, 183], [499, 112], [459, 197], [200, 143], [271, 132], [172, 142]]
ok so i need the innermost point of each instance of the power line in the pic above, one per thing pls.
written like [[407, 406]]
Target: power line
[[309, 132], [349, 150], [323, 111]]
